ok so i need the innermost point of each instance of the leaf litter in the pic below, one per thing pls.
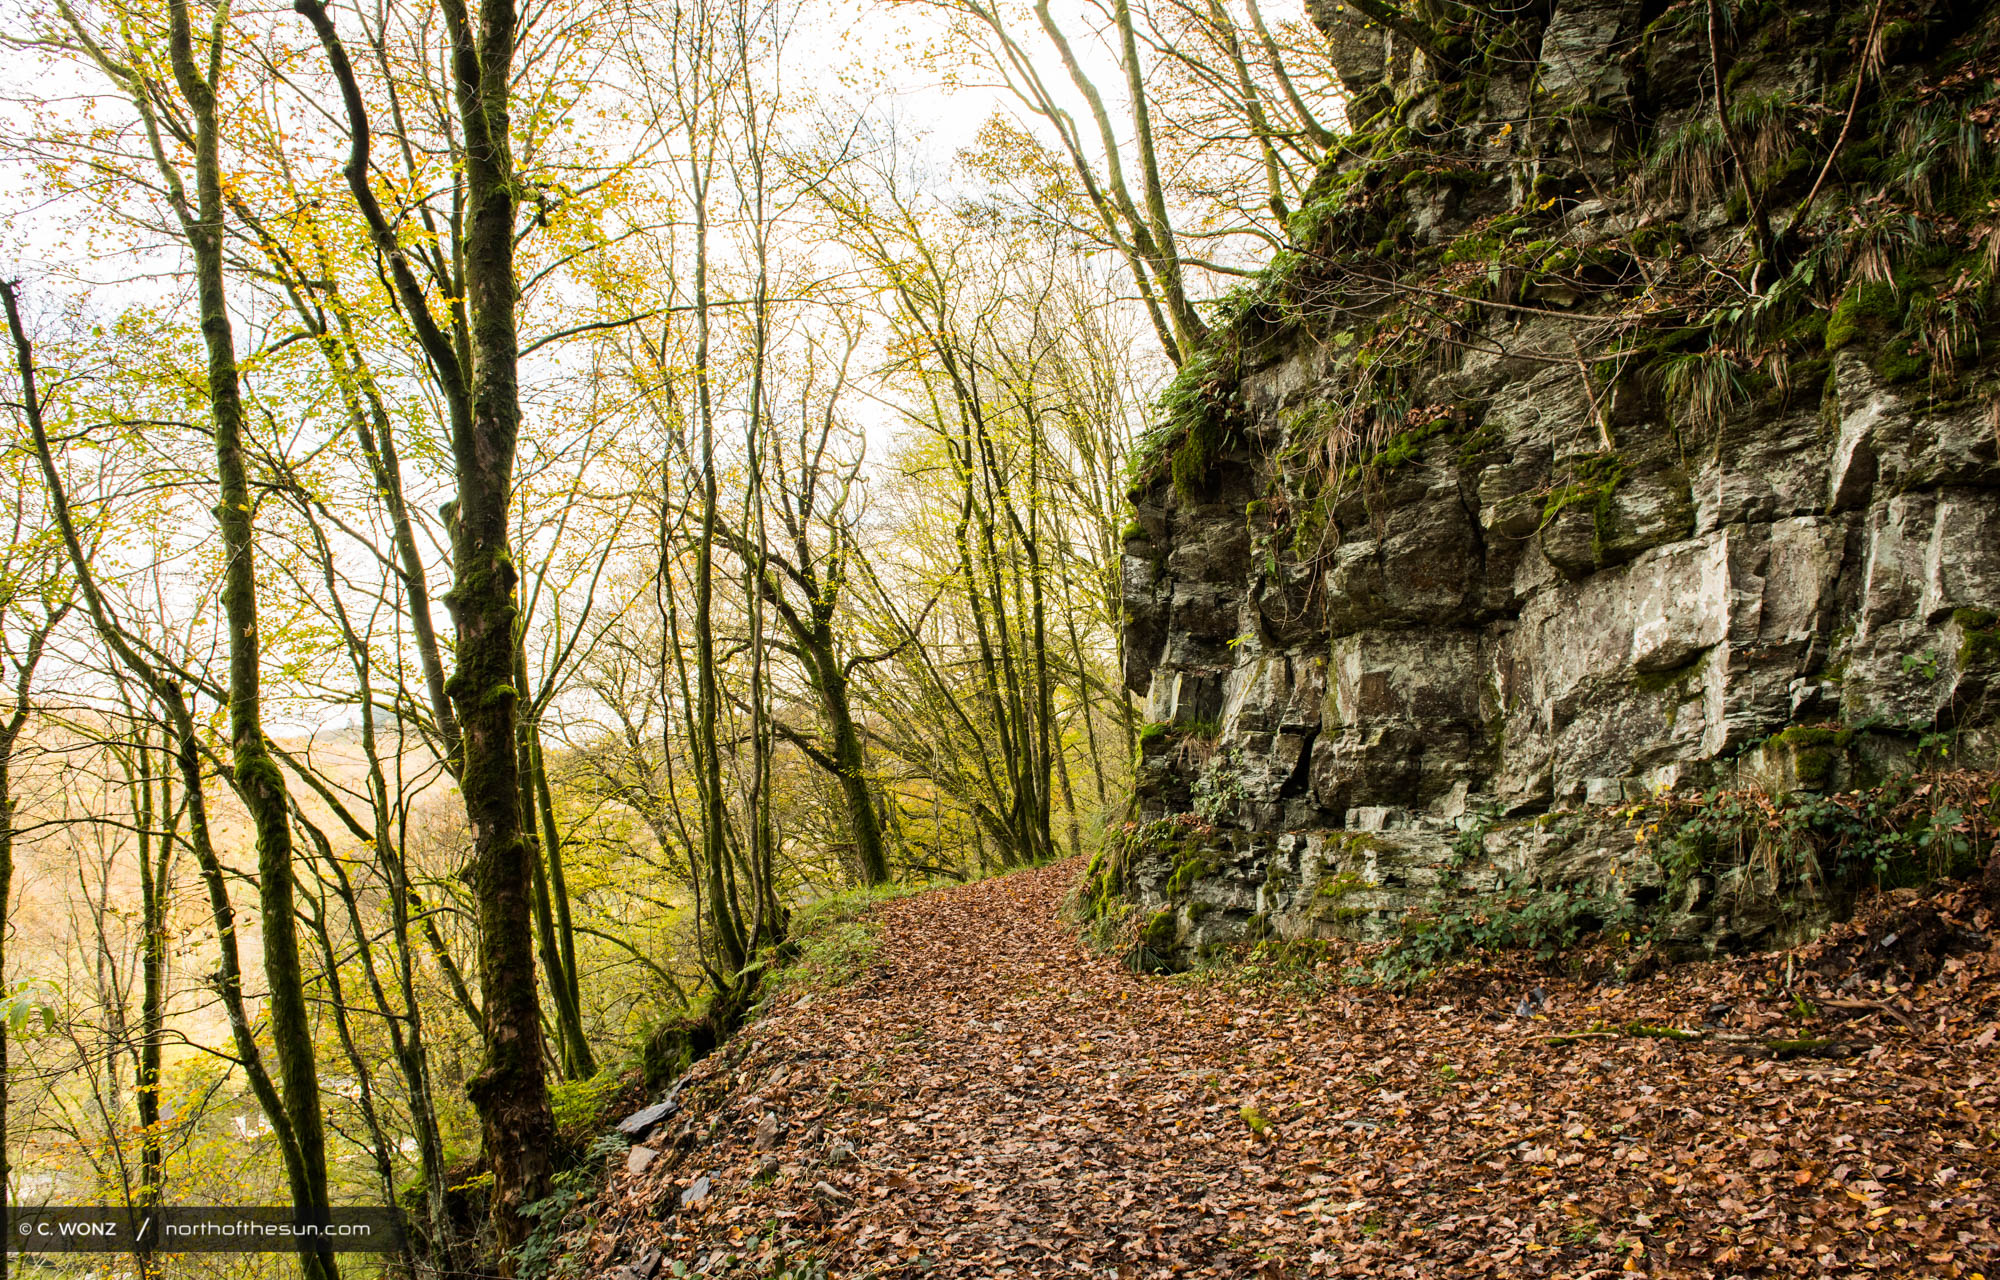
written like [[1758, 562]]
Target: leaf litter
[[991, 1098]]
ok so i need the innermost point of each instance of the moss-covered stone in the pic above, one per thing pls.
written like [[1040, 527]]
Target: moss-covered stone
[[1868, 307], [1901, 361], [1191, 863], [1816, 752], [1355, 843], [1978, 637], [1593, 481], [1668, 680], [1340, 886]]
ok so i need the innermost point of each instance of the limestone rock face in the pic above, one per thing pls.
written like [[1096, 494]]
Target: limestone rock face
[[1468, 652], [1456, 665]]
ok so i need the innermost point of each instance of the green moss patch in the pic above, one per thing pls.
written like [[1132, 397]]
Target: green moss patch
[[1817, 752], [1979, 637]]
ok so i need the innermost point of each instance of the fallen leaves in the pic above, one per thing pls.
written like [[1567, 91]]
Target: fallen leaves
[[990, 1099]]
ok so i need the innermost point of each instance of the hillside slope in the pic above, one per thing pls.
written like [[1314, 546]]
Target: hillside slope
[[991, 1099]]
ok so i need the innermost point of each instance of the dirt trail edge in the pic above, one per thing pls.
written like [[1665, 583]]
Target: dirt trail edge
[[991, 1099]]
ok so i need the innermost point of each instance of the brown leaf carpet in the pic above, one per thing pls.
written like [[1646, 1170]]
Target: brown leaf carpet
[[990, 1098]]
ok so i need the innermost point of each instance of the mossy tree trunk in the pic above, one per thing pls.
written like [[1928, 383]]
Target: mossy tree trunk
[[850, 766], [841, 753], [510, 1091], [478, 379], [253, 772]]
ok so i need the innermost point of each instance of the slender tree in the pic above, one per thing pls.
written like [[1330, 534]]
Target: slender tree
[[165, 687], [511, 1090], [33, 603]]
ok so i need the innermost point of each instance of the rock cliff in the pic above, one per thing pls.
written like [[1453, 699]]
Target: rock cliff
[[1617, 423]]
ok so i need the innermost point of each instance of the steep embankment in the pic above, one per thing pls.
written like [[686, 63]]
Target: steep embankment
[[989, 1099], [1620, 420]]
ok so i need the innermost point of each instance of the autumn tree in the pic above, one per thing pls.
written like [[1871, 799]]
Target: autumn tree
[[1145, 134], [35, 595], [482, 385], [188, 118]]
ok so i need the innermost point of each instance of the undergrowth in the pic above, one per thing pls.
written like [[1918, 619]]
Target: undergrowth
[[1908, 831], [833, 939], [1545, 922], [541, 1255], [1302, 967], [577, 1103]]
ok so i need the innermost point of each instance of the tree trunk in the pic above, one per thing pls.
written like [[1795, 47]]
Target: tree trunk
[[724, 920], [565, 930], [572, 1050], [155, 889], [510, 1091], [253, 773], [863, 821]]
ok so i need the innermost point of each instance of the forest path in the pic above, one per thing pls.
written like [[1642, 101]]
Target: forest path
[[989, 1098]]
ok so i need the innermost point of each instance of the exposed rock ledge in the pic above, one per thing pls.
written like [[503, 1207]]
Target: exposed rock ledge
[[1556, 601]]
